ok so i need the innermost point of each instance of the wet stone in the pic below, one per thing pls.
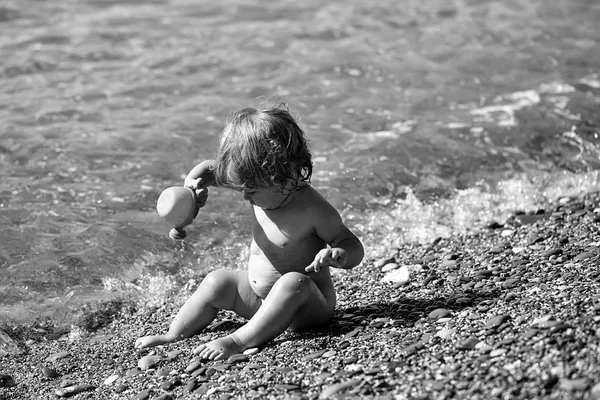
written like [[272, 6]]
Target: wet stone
[[6, 381], [57, 356], [121, 388], [133, 372], [468, 344], [194, 365], [434, 384], [190, 386], [439, 313], [237, 358], [49, 372], [148, 362], [73, 390], [583, 256], [495, 322], [143, 395], [575, 385]]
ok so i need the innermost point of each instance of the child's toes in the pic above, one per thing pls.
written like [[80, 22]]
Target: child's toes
[[199, 349]]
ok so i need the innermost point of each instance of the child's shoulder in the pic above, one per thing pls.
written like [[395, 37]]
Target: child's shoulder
[[313, 202]]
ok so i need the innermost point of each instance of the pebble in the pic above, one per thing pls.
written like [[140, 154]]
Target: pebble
[[120, 388], [314, 355], [57, 356], [389, 267], [338, 387], [148, 362], [73, 390], [434, 384], [143, 395], [496, 321], [190, 386], [468, 344], [251, 351], [6, 380], [439, 313], [237, 358], [174, 354], [194, 365], [111, 379], [49, 372], [575, 385], [497, 352], [583, 256], [446, 333]]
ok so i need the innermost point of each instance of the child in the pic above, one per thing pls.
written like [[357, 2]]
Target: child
[[297, 235]]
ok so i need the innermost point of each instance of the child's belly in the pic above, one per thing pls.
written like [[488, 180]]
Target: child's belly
[[262, 276]]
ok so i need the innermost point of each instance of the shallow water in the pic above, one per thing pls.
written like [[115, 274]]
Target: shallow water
[[425, 119]]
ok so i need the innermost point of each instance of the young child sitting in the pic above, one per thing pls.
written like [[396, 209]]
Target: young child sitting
[[296, 236]]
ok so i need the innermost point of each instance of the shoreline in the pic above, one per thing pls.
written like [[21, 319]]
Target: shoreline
[[510, 312]]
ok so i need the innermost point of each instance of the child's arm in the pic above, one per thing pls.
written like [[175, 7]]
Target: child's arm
[[344, 249], [199, 179], [204, 171]]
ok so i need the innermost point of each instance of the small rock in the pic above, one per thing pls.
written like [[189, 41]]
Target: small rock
[[148, 362], [439, 313], [287, 386], [143, 395], [496, 321], [49, 372], [434, 384], [120, 388], [389, 267], [73, 390], [583, 256], [575, 385], [194, 365], [497, 352], [57, 356], [468, 344], [174, 354], [6, 380], [338, 387], [190, 386], [446, 333], [237, 358], [552, 252], [251, 351], [111, 379]]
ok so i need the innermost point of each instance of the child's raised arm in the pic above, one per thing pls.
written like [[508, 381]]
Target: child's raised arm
[[204, 171], [344, 249], [199, 179]]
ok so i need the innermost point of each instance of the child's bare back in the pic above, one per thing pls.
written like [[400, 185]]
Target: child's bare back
[[297, 236]]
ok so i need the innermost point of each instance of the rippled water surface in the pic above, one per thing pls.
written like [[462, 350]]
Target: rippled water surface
[[425, 118]]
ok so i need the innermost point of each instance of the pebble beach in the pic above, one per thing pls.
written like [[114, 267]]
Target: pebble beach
[[510, 311]]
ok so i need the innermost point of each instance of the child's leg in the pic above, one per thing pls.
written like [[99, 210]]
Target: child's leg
[[294, 301], [218, 290]]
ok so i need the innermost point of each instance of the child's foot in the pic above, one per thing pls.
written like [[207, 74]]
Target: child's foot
[[217, 349], [152, 340]]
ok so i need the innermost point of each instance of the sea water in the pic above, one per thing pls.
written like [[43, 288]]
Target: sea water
[[425, 119]]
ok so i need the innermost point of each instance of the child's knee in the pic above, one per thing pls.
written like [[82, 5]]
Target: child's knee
[[293, 282], [220, 286]]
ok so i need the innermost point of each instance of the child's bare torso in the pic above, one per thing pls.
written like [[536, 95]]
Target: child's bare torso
[[284, 240]]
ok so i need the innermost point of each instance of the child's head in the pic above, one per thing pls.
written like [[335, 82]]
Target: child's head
[[261, 148]]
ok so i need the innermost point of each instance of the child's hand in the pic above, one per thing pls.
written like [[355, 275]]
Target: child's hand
[[200, 191], [327, 258]]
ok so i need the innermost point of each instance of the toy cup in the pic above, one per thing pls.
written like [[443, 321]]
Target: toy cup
[[177, 205]]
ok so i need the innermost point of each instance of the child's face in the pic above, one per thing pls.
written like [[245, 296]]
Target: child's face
[[267, 198]]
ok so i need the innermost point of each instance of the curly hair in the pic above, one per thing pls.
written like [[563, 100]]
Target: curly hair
[[261, 148]]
